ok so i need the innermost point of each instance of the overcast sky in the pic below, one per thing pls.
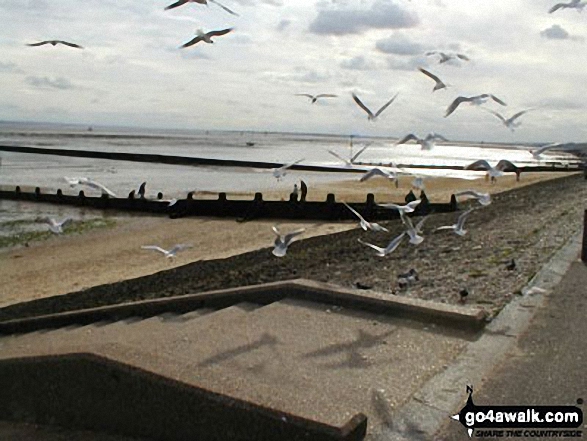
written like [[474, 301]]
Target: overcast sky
[[131, 71]]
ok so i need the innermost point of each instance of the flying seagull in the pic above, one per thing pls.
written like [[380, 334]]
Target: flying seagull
[[314, 98], [510, 123], [392, 176], [444, 57], [403, 209], [205, 37], [90, 183], [494, 172], [439, 83], [167, 253], [280, 172], [351, 161], [415, 238], [371, 116], [572, 4], [538, 152], [55, 43], [483, 198], [458, 227], [474, 100], [55, 226], [426, 143], [390, 248], [282, 241], [364, 224], [202, 2]]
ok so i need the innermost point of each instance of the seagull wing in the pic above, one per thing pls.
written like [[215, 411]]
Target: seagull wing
[[431, 75], [408, 138], [218, 33], [380, 250], [463, 218], [505, 165], [481, 164], [501, 117], [431, 53], [556, 7], [64, 222], [179, 247], [544, 148], [354, 211], [386, 105], [40, 43], [339, 157], [192, 41], [326, 95], [99, 186], [463, 57], [276, 231], [176, 4], [305, 94], [436, 136], [414, 204], [391, 247], [77, 46], [356, 155], [456, 104], [224, 7], [373, 172], [286, 166], [517, 115], [362, 106], [289, 236], [497, 100], [472, 193], [154, 248]]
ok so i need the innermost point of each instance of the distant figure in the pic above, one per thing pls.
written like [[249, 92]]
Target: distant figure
[[410, 197], [142, 190], [463, 294], [304, 190], [295, 192]]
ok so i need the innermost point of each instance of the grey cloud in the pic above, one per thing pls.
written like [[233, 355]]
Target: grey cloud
[[46, 82], [411, 63], [399, 46], [283, 25], [357, 63], [9, 68], [555, 32], [384, 14]]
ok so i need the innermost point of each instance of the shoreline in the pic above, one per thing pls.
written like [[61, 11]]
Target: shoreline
[[114, 256]]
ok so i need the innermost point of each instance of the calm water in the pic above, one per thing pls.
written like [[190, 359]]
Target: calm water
[[175, 181]]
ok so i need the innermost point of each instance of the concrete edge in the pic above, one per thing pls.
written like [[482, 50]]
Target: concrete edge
[[303, 289], [64, 401], [440, 397]]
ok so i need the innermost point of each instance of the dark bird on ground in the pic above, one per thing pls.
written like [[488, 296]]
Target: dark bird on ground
[[463, 294], [55, 43], [407, 279], [205, 37], [511, 265]]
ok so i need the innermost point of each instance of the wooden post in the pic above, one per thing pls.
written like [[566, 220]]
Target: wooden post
[[584, 251]]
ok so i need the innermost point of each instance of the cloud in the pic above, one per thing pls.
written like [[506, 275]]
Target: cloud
[[384, 14], [283, 25], [555, 32], [299, 74], [254, 2], [49, 83], [411, 63], [398, 46], [9, 68], [357, 63]]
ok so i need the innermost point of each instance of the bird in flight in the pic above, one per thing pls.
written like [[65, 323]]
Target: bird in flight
[[201, 2], [444, 57], [282, 241], [494, 172], [90, 183], [55, 226], [473, 100], [458, 228], [167, 253], [55, 43], [370, 115], [576, 4], [349, 162], [483, 198], [538, 152], [390, 248], [392, 176], [439, 84], [280, 172], [365, 225], [426, 143], [510, 123], [205, 37], [314, 98]]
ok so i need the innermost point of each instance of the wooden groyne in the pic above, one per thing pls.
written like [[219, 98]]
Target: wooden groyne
[[243, 210]]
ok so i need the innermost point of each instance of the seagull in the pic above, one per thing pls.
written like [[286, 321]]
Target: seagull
[[572, 4], [406, 279], [415, 238], [510, 123], [371, 116], [474, 100], [379, 172], [494, 172], [463, 294], [202, 2], [483, 198], [418, 182], [439, 84], [426, 143], [92, 184], [55, 43], [205, 37], [349, 162], [284, 240], [280, 172], [458, 227], [314, 98], [168, 253], [444, 57], [403, 209], [538, 152], [54, 226], [142, 190], [364, 224], [390, 248]]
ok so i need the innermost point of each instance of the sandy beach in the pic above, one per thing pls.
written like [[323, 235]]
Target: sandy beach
[[70, 263]]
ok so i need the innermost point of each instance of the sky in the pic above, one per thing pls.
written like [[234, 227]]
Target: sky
[[132, 72]]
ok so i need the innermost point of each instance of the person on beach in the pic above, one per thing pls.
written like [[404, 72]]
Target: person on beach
[[295, 192], [304, 191]]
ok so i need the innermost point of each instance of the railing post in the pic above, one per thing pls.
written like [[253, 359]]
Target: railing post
[[584, 251]]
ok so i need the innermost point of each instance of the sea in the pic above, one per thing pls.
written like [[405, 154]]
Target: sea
[[175, 181]]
